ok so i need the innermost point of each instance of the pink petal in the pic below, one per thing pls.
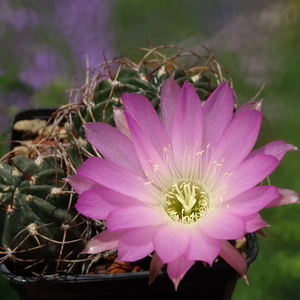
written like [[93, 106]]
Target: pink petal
[[98, 203], [275, 148], [171, 241], [251, 201], [113, 145], [142, 111], [238, 140], [120, 121], [285, 197], [202, 248], [248, 106], [222, 226], [248, 174], [136, 243], [187, 127], [134, 216], [254, 222], [217, 114], [151, 160], [81, 184], [177, 269], [234, 259], [115, 177], [103, 241], [170, 93]]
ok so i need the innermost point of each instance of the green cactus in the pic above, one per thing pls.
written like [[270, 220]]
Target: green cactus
[[39, 227], [143, 81], [98, 100], [36, 221]]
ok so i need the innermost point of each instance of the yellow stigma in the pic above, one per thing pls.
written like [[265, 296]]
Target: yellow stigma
[[186, 202]]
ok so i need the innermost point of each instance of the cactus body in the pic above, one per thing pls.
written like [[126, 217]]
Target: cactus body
[[39, 227], [35, 219], [145, 81]]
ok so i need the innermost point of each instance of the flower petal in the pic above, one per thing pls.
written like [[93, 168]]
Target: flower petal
[[81, 184], [222, 226], [98, 203], [234, 259], [275, 148], [249, 105], [103, 241], [217, 114], [115, 177], [187, 130], [202, 248], [113, 145], [238, 140], [177, 269], [120, 121], [142, 111], [285, 197], [249, 173], [170, 93], [151, 160], [134, 216], [171, 241], [254, 223], [136, 243], [251, 201]]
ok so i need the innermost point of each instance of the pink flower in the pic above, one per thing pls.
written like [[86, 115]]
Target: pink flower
[[180, 186]]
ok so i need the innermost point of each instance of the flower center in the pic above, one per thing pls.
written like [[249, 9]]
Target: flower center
[[186, 202]]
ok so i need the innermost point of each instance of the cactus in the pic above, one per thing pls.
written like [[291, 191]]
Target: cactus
[[144, 81], [97, 98], [39, 227], [37, 223]]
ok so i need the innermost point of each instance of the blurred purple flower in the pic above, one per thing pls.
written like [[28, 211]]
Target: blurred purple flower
[[78, 28], [43, 69], [48, 41], [86, 28], [18, 18]]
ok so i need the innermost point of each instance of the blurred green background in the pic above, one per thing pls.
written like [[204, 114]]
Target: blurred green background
[[42, 54]]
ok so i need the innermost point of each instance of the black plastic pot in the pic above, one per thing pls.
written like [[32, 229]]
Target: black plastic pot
[[212, 283], [28, 114], [205, 283]]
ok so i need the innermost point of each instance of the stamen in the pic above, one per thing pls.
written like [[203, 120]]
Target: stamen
[[189, 187], [186, 202]]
